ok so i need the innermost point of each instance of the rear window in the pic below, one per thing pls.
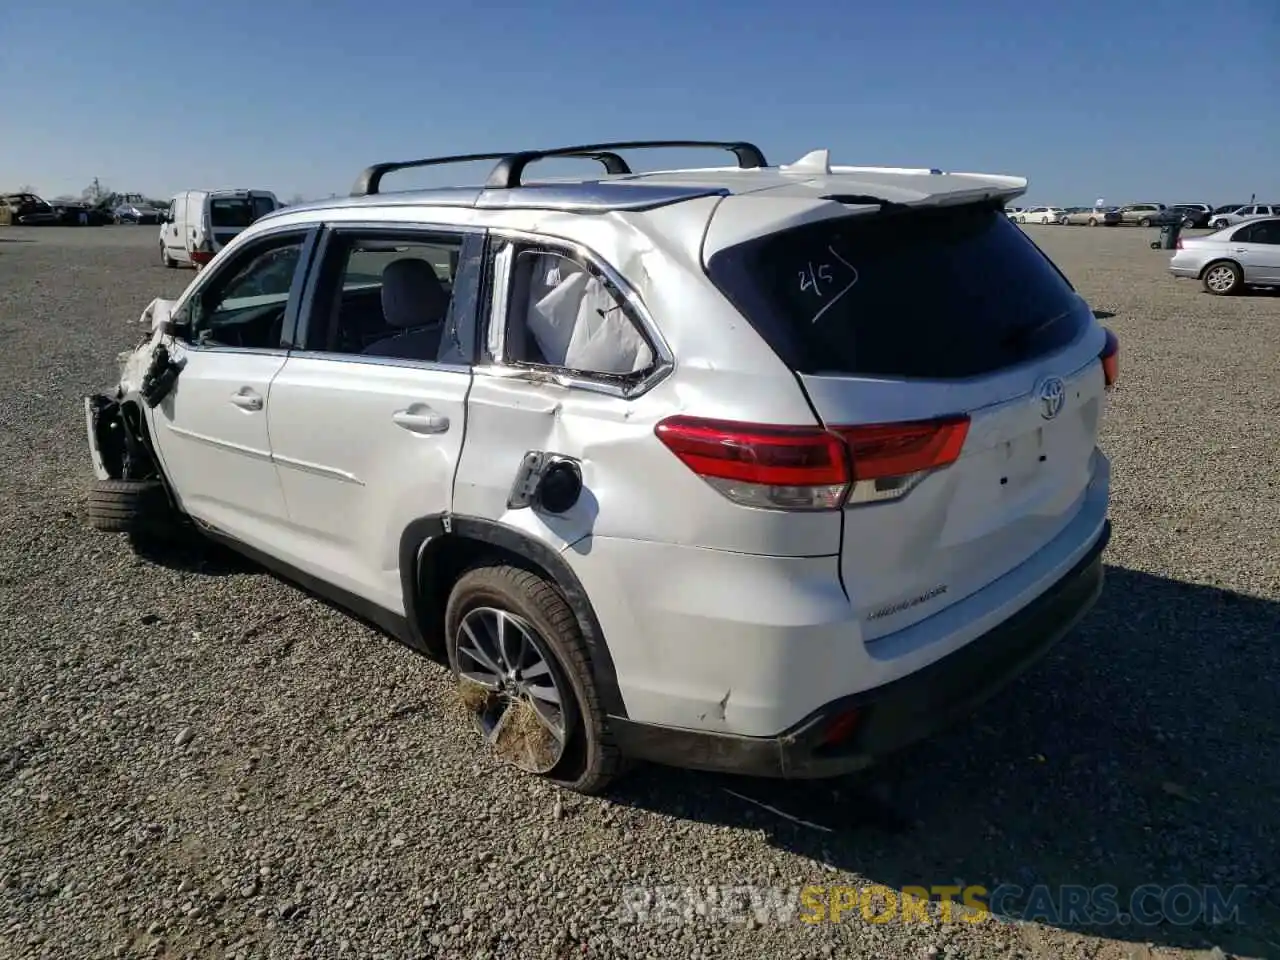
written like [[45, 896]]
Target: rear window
[[238, 211], [936, 294]]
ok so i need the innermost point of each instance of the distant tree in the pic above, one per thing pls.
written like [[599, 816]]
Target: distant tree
[[296, 199], [95, 192], [26, 188]]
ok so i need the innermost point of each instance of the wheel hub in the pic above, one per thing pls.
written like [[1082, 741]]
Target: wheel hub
[[530, 711]]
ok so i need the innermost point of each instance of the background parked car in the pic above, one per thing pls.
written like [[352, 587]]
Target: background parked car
[[1091, 217], [1242, 213], [1012, 212], [28, 210], [1148, 214], [141, 211], [1041, 215], [1194, 215], [1233, 258], [74, 213]]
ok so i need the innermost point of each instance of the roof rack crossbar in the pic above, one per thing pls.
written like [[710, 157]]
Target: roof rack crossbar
[[507, 174], [370, 178]]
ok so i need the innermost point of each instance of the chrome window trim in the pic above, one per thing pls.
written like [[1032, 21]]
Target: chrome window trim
[[499, 367], [331, 356]]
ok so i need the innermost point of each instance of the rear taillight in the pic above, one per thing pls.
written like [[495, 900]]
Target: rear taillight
[[201, 257], [891, 458], [787, 468], [809, 468], [1110, 357]]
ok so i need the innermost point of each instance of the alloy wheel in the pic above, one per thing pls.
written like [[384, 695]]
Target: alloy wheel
[[510, 681]]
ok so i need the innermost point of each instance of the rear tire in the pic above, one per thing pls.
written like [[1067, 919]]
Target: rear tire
[[130, 506], [1093, 222], [1222, 278], [1144, 222], [587, 759]]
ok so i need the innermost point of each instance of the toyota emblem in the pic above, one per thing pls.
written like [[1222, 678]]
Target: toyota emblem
[[1052, 393]]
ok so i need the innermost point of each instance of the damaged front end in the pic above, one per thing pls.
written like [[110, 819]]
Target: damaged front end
[[119, 444]]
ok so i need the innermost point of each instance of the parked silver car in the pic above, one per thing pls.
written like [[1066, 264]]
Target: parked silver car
[[1091, 217], [1149, 214], [1226, 261], [1243, 213]]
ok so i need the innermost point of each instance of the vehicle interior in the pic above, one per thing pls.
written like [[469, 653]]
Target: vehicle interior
[[394, 299]]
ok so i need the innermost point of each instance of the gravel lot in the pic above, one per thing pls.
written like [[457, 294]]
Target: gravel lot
[[197, 760]]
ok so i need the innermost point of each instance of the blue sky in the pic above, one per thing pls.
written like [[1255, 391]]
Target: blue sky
[[1166, 100]]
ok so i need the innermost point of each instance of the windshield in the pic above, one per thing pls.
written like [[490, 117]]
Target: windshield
[[238, 211], [939, 294]]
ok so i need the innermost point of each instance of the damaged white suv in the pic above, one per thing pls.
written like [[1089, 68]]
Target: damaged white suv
[[762, 469]]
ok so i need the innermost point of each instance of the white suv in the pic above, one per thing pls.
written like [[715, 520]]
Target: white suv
[[762, 469]]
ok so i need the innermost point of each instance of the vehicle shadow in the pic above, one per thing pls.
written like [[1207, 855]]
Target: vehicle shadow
[[1142, 750], [188, 552]]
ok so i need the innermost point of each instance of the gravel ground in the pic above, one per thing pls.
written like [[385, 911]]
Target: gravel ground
[[197, 760]]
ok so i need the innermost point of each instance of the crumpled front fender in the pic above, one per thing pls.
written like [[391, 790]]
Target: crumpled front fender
[[136, 364]]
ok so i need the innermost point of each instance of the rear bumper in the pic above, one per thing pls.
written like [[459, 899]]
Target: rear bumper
[[1185, 268], [896, 714]]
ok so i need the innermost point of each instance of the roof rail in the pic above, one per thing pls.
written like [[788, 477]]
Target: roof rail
[[509, 170], [511, 166]]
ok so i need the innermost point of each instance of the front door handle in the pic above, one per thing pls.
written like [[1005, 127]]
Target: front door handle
[[419, 418], [246, 398]]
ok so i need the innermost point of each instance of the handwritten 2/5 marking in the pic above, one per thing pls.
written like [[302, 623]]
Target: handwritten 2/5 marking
[[809, 277], [849, 286]]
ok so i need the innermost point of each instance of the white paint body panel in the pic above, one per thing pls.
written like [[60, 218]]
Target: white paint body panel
[[216, 454], [353, 476]]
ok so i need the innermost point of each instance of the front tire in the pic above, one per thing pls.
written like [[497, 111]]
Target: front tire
[[139, 507], [524, 676], [165, 259], [1222, 278], [1144, 222]]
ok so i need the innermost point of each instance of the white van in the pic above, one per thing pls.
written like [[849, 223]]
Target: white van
[[199, 223]]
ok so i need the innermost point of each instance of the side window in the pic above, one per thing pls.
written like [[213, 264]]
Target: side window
[[389, 296], [244, 304], [1244, 235], [565, 314], [1267, 232]]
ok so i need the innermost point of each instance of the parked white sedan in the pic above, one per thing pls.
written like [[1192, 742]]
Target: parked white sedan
[[1042, 215], [1226, 261]]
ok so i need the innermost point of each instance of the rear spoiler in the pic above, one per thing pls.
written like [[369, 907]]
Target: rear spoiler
[[758, 214]]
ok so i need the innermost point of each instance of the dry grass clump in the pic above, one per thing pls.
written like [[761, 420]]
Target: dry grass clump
[[521, 739]]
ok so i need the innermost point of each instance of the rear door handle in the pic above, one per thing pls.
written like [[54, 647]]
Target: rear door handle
[[246, 398], [420, 418]]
